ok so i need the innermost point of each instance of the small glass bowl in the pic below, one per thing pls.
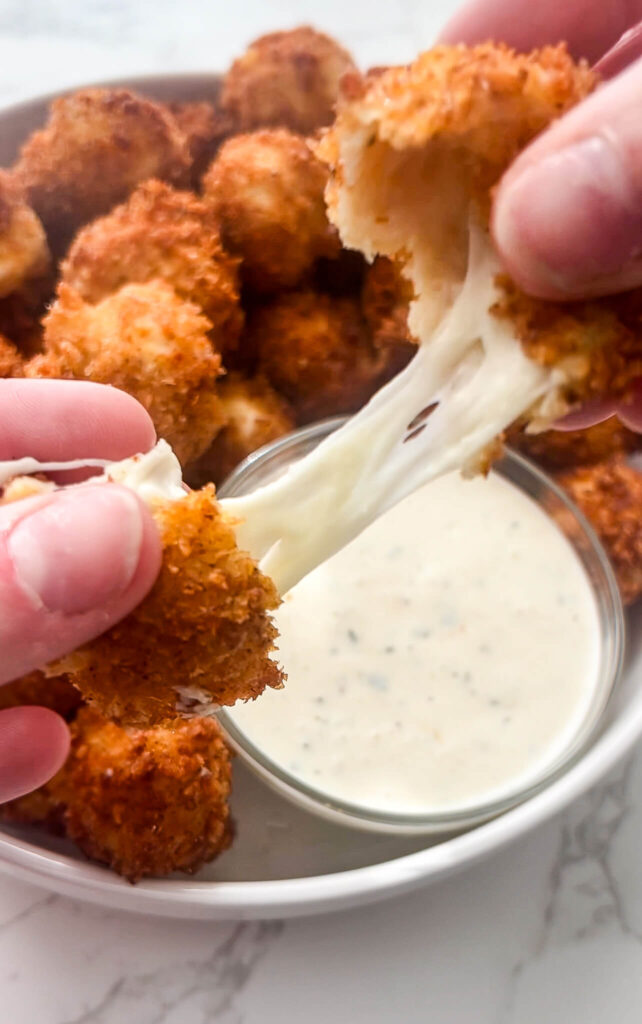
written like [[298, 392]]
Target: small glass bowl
[[271, 461]]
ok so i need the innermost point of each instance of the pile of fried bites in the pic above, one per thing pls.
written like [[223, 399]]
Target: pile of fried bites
[[183, 253]]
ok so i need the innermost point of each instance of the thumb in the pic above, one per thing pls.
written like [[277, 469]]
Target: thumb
[[71, 564], [567, 217]]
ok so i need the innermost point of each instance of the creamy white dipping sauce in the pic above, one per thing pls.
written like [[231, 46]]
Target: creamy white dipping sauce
[[446, 657]]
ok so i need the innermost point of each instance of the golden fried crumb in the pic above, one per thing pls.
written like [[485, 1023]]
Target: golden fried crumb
[[57, 694], [256, 414], [201, 637], [11, 364], [610, 496], [160, 233], [148, 342], [314, 349], [288, 79], [24, 253], [20, 319], [146, 801], [385, 299], [267, 190], [559, 449], [97, 145], [205, 126]]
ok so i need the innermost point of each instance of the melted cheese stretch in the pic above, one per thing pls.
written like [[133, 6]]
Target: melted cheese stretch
[[475, 373]]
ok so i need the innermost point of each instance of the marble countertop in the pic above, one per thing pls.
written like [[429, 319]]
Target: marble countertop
[[548, 932]]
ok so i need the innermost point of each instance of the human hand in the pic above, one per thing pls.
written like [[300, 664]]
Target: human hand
[[567, 216], [72, 563]]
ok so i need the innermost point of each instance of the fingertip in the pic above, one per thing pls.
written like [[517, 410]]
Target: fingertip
[[34, 744]]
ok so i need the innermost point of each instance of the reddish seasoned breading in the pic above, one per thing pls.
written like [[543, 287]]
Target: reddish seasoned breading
[[148, 342], [385, 298], [202, 636], [610, 496], [205, 126], [166, 234], [267, 190], [288, 79], [255, 414], [57, 694], [559, 449], [146, 801], [315, 350], [11, 364], [97, 145], [24, 254]]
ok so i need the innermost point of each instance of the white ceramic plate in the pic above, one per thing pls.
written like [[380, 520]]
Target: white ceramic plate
[[285, 861]]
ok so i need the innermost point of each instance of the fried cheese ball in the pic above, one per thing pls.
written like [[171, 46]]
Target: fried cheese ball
[[559, 449], [24, 253], [267, 190], [97, 145], [610, 496], [146, 802], [315, 350], [414, 155], [203, 635], [148, 342], [256, 414], [11, 364], [288, 79], [166, 234], [205, 126], [385, 299]]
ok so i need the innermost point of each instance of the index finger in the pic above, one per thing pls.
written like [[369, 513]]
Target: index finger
[[56, 420], [589, 28]]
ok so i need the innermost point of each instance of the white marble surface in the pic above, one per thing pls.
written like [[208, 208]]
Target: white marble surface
[[549, 932]]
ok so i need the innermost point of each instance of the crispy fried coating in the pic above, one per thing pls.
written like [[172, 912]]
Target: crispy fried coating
[[146, 801], [385, 300], [202, 636], [610, 496], [267, 190], [314, 349], [148, 342], [255, 413], [20, 318], [97, 145], [205, 126], [11, 364], [561, 449], [166, 234], [24, 253], [288, 79], [57, 694], [414, 156]]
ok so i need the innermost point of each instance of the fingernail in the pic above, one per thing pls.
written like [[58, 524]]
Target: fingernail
[[570, 219], [80, 551]]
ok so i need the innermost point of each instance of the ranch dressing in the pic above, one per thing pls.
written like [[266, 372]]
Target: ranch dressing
[[447, 656]]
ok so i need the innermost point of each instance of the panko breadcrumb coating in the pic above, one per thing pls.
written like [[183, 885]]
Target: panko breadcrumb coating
[[267, 190], [146, 801], [203, 635], [57, 694], [559, 449], [160, 233], [255, 414], [385, 299], [414, 155], [148, 342], [610, 496], [11, 364], [24, 253], [97, 145], [314, 349], [205, 126], [288, 79]]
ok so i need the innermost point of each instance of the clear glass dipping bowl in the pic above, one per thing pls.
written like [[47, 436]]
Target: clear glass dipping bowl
[[270, 462]]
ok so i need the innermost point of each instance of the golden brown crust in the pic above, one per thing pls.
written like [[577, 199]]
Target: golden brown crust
[[385, 298], [202, 636], [166, 234], [97, 145], [57, 694], [11, 364], [314, 349], [256, 414], [24, 253], [288, 79], [148, 342], [561, 449], [205, 127], [610, 496], [147, 802], [267, 190]]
